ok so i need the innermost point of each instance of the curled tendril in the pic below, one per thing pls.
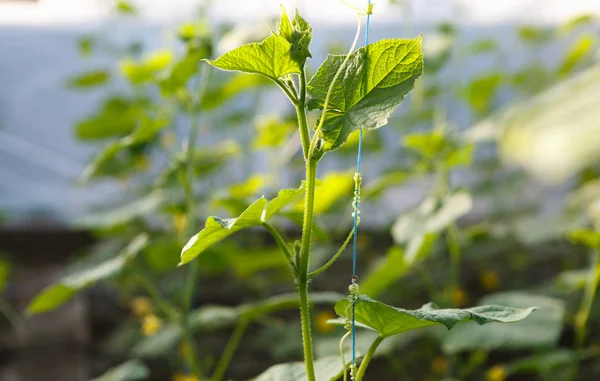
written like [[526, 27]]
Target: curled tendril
[[356, 201]]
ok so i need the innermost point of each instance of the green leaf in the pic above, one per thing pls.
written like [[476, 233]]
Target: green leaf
[[330, 190], [237, 84], [389, 321], [249, 187], [211, 318], [326, 369], [481, 91], [272, 131], [385, 272], [89, 79], [373, 84], [586, 237], [271, 58], [181, 72], [125, 7], [57, 294], [147, 69], [217, 229], [542, 329], [535, 35], [118, 116], [576, 54], [146, 130], [128, 371], [298, 33]]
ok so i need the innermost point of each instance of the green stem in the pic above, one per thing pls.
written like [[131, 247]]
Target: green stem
[[280, 241], [367, 359], [229, 350], [194, 267], [583, 314], [301, 111], [342, 353], [334, 258], [309, 202]]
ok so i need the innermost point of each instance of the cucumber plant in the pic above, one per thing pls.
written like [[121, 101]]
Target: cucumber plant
[[359, 90]]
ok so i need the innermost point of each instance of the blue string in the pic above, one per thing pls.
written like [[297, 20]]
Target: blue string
[[356, 211]]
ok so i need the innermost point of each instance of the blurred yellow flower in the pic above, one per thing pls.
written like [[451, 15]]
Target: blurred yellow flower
[[439, 365], [497, 373], [184, 377], [489, 280], [150, 325], [180, 222], [459, 297], [141, 306], [321, 322]]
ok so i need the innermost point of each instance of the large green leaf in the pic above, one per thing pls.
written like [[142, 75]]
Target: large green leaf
[[271, 58], [326, 369], [210, 318], [217, 229], [373, 84], [541, 329], [128, 371], [57, 294], [387, 320]]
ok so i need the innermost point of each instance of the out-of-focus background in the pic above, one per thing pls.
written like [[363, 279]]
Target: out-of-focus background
[[494, 158]]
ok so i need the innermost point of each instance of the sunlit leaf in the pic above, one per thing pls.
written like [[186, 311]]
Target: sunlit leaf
[[481, 91], [298, 33], [217, 229], [577, 53], [271, 58], [59, 293], [146, 69], [386, 70], [535, 35], [272, 131], [541, 329], [388, 321], [125, 7], [249, 187], [89, 79]]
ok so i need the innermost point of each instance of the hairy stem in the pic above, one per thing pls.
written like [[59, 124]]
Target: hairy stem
[[301, 111], [307, 226], [229, 350], [334, 258], [367, 359]]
